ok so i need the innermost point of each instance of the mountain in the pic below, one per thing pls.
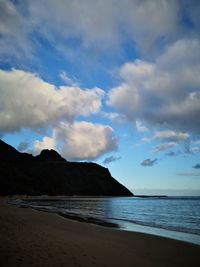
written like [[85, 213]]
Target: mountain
[[50, 155], [50, 174]]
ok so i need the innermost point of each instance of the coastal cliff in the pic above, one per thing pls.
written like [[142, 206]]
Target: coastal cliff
[[50, 174]]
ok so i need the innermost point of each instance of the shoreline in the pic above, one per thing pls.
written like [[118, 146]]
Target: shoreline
[[188, 237], [69, 215], [36, 238]]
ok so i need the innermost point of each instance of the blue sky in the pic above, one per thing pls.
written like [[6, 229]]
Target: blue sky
[[115, 82]]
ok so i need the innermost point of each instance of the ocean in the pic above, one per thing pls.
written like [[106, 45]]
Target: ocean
[[172, 217]]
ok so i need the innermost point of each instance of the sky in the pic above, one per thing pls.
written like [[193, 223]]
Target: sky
[[109, 81]]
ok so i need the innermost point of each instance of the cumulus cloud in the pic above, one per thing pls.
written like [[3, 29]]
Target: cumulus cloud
[[80, 140], [27, 101], [164, 93], [149, 162], [46, 143], [110, 159]]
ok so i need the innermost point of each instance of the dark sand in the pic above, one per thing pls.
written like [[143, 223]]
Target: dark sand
[[34, 238]]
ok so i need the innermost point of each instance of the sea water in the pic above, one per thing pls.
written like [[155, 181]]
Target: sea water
[[172, 217]]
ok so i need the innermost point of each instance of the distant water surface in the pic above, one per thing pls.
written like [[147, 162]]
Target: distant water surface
[[173, 217]]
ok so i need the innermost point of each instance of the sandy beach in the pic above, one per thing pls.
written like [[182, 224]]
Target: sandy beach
[[35, 238]]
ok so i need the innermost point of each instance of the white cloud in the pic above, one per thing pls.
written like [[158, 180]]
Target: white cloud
[[167, 136], [100, 25], [105, 23], [27, 101], [114, 117], [195, 146], [10, 20], [46, 143], [165, 93], [171, 136], [164, 147], [80, 140], [14, 32], [168, 139], [171, 139], [67, 79], [140, 126]]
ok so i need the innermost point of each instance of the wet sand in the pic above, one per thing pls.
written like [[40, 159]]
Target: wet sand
[[34, 238]]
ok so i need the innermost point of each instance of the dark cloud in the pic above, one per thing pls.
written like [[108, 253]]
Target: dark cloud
[[197, 166], [172, 153], [148, 162], [110, 159], [23, 146], [189, 174]]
